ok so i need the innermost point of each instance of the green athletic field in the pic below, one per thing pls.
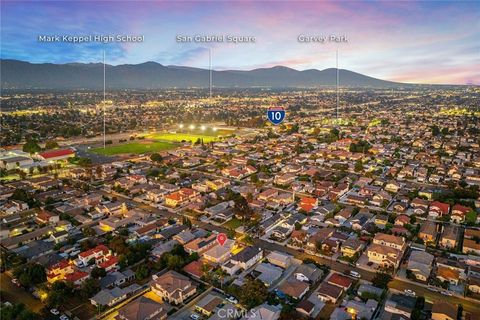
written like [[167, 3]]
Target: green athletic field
[[136, 148]]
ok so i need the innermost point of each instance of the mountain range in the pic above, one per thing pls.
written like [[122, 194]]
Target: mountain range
[[17, 74]]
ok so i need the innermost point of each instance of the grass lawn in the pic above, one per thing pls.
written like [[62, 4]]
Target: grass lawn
[[233, 224], [135, 147], [178, 137]]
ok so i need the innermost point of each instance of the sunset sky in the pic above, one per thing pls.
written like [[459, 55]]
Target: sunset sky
[[419, 42]]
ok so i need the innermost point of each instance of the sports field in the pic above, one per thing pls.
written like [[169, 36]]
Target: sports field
[[180, 137], [135, 147]]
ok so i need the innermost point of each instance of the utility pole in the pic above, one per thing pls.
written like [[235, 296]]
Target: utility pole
[[104, 108]]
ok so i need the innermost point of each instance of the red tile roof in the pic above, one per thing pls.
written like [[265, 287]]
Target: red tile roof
[[194, 268], [56, 153], [340, 280]]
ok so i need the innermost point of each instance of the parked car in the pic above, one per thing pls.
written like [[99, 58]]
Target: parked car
[[16, 282], [433, 289], [447, 293], [54, 311], [232, 300], [355, 274], [194, 316], [64, 317], [410, 293]]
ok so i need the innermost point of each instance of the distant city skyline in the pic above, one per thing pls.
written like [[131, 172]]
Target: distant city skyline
[[415, 42]]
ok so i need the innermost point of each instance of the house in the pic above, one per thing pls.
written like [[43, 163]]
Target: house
[[402, 220], [401, 305], [117, 278], [208, 304], [358, 309], [200, 245], [471, 241], [381, 221], [59, 271], [110, 297], [46, 217], [473, 284], [280, 259], [351, 247], [180, 197], [264, 312], [307, 204], [340, 281], [267, 273], [99, 254], [308, 272], [384, 256], [77, 277], [328, 292], [344, 214], [442, 310], [294, 288], [458, 213], [420, 264], [219, 254], [392, 186], [420, 206], [246, 258], [194, 269], [449, 275], [450, 236], [143, 308], [389, 241], [173, 287], [306, 307], [438, 209], [428, 232], [360, 220]]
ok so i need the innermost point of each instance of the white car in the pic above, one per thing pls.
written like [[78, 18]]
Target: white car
[[232, 300], [54, 311], [194, 316], [355, 274], [64, 317], [433, 289], [409, 292], [447, 293]]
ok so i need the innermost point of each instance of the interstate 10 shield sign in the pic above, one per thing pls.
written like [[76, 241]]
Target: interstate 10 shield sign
[[276, 115]]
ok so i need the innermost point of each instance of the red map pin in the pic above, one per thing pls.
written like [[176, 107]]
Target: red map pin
[[221, 238]]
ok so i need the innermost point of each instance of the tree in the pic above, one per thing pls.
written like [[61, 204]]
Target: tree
[[58, 293], [253, 293], [381, 280], [17, 311], [51, 144], [358, 166], [142, 272], [89, 288], [30, 274], [98, 273], [186, 222], [31, 147], [155, 157], [89, 232], [84, 162], [118, 245]]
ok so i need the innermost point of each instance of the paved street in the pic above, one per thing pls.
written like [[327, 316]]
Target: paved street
[[15, 294]]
